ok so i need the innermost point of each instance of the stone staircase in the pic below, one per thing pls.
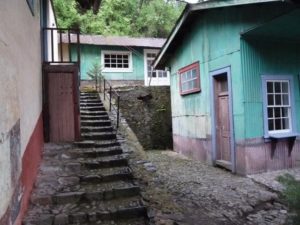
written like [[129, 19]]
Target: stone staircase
[[89, 182]]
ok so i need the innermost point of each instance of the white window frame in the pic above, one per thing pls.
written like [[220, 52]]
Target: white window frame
[[117, 70], [155, 81], [291, 114]]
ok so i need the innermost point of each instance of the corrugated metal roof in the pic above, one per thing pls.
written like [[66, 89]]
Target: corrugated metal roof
[[116, 41]]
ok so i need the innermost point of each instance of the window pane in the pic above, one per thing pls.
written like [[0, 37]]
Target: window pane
[[190, 85], [277, 99], [277, 87], [285, 87], [189, 75], [285, 112], [277, 112], [270, 99], [194, 73], [183, 77], [285, 123], [278, 124], [270, 112], [285, 99], [270, 87], [271, 124]]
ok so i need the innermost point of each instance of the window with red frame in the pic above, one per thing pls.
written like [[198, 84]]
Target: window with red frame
[[189, 79]]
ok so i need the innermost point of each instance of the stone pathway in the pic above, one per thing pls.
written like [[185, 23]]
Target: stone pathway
[[181, 191], [88, 182]]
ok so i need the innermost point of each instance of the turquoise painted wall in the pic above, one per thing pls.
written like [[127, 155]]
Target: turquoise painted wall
[[266, 58], [215, 43], [92, 53]]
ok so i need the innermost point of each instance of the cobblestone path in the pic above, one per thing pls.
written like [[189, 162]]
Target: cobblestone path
[[88, 182]]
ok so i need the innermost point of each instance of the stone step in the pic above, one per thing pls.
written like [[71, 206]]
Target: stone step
[[136, 221], [86, 112], [98, 136], [92, 108], [97, 152], [70, 174], [105, 162], [84, 96], [115, 209], [106, 144], [85, 144], [88, 193], [95, 123], [94, 117], [84, 99], [98, 104], [86, 129], [88, 94], [96, 144]]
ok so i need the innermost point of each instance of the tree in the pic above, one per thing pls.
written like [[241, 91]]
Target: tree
[[95, 73], [152, 18]]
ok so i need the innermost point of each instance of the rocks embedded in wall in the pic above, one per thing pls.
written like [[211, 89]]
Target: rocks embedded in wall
[[148, 113]]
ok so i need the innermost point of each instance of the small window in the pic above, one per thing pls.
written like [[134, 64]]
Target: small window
[[116, 61], [189, 79], [31, 6], [155, 73], [277, 105]]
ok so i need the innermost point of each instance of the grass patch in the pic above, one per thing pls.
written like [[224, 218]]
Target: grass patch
[[292, 195]]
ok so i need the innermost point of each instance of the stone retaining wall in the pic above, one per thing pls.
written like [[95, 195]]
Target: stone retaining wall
[[148, 113]]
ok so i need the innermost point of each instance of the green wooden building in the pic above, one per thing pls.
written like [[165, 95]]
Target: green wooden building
[[234, 69], [123, 60]]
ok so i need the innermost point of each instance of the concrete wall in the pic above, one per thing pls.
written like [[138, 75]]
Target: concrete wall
[[20, 99]]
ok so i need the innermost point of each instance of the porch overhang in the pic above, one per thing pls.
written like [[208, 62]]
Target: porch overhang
[[283, 28]]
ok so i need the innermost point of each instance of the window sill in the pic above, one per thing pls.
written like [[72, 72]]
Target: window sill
[[117, 70], [190, 92], [289, 136], [282, 135]]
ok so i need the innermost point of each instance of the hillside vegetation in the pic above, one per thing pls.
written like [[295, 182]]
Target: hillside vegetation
[[148, 18]]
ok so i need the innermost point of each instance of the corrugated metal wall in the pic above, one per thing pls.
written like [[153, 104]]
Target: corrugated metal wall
[[266, 58]]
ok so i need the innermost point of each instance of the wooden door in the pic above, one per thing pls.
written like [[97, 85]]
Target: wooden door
[[223, 149], [62, 120]]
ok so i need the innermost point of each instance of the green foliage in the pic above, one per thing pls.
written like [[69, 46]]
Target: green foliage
[[95, 73], [292, 195], [150, 18]]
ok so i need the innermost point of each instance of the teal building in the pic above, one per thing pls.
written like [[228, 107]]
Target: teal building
[[122, 59], [235, 85]]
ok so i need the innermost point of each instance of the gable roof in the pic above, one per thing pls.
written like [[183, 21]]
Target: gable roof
[[187, 16], [116, 41]]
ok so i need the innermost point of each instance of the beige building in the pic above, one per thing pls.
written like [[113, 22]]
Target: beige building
[[21, 123]]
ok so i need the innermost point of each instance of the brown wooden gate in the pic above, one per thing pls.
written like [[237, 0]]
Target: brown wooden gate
[[61, 109]]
